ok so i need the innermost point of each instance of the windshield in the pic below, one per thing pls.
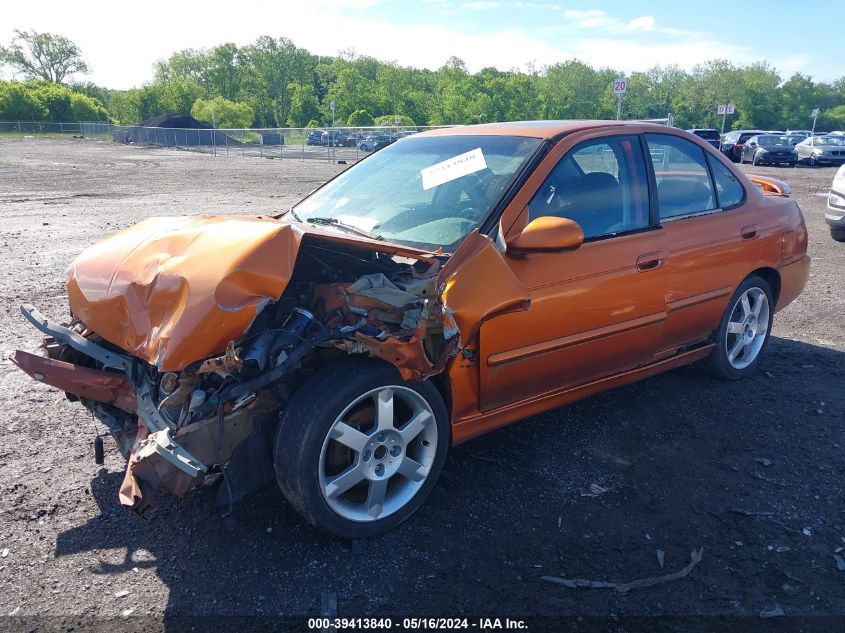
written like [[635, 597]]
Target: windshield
[[712, 135], [773, 140], [828, 140], [426, 192]]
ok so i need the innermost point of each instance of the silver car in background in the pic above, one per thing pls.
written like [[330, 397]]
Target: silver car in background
[[822, 150], [835, 214]]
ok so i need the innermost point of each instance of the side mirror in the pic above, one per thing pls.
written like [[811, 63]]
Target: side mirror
[[547, 234]]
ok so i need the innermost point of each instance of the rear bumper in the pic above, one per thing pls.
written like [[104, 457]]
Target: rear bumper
[[793, 279]]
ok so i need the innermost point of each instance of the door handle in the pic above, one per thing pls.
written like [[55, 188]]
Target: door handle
[[748, 232], [649, 261]]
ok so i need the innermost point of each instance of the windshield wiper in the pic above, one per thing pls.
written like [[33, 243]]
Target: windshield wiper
[[343, 225]]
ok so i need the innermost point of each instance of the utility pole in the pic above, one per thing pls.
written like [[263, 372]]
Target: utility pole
[[815, 116], [332, 107]]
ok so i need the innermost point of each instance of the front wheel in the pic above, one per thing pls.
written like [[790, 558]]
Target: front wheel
[[743, 331], [837, 234], [359, 449]]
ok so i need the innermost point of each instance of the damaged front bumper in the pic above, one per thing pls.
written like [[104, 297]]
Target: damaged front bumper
[[156, 455]]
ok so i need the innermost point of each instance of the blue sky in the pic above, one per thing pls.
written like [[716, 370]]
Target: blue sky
[[502, 33]]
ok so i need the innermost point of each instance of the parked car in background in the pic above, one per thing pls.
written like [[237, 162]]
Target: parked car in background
[[708, 134], [821, 150], [835, 214], [315, 137], [804, 133], [794, 139], [369, 143], [384, 142], [336, 138], [838, 133], [769, 149], [733, 142], [455, 282]]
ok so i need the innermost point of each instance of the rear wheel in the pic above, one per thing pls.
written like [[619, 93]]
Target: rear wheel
[[837, 234], [744, 330], [358, 449]]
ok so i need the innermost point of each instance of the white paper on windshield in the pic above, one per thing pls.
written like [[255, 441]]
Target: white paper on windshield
[[453, 168]]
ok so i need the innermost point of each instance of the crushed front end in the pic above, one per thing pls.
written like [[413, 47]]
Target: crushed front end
[[296, 302]]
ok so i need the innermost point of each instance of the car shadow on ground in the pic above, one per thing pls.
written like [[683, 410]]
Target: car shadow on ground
[[591, 490]]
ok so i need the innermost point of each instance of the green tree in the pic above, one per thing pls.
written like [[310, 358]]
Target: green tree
[[359, 118], [43, 56], [18, 103], [390, 119], [224, 113], [303, 106]]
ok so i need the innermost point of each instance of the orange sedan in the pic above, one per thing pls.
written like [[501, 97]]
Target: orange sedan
[[451, 283]]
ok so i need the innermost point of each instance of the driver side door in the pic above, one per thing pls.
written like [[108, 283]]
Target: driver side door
[[595, 311]]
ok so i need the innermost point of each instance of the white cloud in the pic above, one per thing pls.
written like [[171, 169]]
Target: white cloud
[[589, 18], [480, 5], [329, 26], [348, 4], [643, 23]]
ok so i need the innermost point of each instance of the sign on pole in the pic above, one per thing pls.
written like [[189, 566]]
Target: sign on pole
[[724, 109], [620, 85]]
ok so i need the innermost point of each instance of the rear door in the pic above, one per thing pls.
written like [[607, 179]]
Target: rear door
[[707, 234]]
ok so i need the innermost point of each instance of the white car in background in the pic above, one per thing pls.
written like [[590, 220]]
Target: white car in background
[[835, 214], [821, 150]]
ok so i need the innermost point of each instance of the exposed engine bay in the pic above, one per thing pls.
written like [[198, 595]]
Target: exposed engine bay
[[215, 417]]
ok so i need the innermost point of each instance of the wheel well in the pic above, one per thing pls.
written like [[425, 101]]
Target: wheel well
[[772, 277]]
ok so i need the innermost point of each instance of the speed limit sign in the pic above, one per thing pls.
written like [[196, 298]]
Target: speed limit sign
[[620, 86]]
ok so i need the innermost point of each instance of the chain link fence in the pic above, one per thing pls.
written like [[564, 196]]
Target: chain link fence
[[344, 144], [40, 128]]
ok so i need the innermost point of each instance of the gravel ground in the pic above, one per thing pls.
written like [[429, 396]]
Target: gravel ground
[[750, 471]]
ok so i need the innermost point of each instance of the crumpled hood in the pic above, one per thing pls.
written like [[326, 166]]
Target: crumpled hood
[[175, 290]]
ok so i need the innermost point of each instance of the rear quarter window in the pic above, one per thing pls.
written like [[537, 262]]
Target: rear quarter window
[[729, 191]]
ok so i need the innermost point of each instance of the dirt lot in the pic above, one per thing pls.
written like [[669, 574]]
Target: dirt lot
[[752, 472]]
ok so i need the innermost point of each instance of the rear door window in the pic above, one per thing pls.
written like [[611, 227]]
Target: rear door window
[[683, 179]]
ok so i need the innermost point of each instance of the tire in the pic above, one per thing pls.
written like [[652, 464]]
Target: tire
[[728, 338], [333, 459], [837, 234], [812, 161]]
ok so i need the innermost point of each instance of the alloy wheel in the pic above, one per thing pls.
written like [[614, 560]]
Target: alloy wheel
[[748, 327], [378, 453]]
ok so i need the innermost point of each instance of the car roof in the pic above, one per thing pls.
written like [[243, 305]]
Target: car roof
[[535, 129]]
